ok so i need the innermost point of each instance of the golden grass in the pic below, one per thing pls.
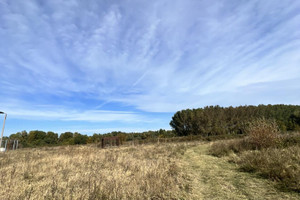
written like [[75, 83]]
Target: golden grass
[[280, 162], [281, 165], [86, 172], [217, 178], [165, 171]]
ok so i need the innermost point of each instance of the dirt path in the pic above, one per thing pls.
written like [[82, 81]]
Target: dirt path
[[216, 178]]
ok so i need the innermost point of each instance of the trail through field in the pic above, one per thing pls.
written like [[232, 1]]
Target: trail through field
[[216, 178]]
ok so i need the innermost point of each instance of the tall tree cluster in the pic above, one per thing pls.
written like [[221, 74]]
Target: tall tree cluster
[[216, 120]]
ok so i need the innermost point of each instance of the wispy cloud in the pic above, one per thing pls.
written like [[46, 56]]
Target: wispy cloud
[[143, 57], [48, 112]]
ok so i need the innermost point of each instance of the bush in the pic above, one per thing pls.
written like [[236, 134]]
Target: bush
[[281, 165], [80, 139], [224, 148], [291, 139], [263, 133]]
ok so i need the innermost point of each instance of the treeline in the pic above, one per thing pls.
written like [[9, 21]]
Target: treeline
[[216, 120], [40, 138], [213, 121]]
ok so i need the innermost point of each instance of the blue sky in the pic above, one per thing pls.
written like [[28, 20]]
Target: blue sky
[[103, 65]]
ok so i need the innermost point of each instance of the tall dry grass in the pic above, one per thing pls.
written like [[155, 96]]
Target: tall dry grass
[[281, 165], [86, 172], [265, 151]]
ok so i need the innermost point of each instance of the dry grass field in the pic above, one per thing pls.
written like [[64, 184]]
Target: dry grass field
[[152, 171], [88, 172]]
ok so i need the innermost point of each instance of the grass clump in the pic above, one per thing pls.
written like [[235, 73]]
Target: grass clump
[[281, 165], [226, 147], [290, 139]]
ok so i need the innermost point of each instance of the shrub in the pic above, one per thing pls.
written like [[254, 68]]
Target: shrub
[[281, 165], [80, 139], [263, 133], [225, 147], [291, 139]]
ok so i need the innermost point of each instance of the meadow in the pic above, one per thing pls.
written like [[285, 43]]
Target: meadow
[[175, 170], [89, 172]]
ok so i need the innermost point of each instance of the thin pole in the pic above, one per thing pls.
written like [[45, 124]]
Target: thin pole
[[3, 130], [5, 144]]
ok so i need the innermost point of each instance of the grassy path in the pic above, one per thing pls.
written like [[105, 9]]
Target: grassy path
[[216, 178]]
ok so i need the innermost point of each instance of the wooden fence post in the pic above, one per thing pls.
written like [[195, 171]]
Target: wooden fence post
[[102, 143]]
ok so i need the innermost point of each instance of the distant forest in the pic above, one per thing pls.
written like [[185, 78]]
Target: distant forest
[[203, 122], [37, 138], [216, 120]]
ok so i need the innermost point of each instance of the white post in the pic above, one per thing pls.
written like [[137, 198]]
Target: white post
[[5, 115], [5, 144]]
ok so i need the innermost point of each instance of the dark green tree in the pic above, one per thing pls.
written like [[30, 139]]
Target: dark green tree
[[36, 138], [66, 138], [51, 138], [216, 120], [80, 139]]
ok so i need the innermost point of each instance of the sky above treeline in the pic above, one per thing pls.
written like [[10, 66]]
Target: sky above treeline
[[96, 66]]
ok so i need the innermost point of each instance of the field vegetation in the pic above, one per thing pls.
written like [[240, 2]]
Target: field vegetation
[[266, 151], [88, 172], [172, 170]]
